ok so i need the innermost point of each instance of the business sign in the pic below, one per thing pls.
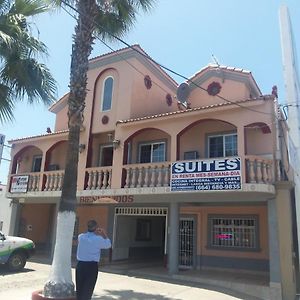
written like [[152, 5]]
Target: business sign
[[106, 199], [19, 184], [210, 175]]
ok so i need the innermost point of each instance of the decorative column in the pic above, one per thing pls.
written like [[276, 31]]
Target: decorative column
[[173, 238]]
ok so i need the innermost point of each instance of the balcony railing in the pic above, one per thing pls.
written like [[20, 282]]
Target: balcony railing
[[257, 170], [34, 182], [147, 175], [54, 180], [260, 170], [98, 178]]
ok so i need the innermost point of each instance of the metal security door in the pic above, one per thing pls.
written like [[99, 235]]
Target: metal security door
[[186, 242]]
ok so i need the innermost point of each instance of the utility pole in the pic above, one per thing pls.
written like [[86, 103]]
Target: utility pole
[[292, 89]]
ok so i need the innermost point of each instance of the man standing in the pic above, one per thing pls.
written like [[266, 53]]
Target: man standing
[[89, 248]]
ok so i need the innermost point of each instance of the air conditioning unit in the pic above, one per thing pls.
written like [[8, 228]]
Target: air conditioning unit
[[190, 155], [53, 167]]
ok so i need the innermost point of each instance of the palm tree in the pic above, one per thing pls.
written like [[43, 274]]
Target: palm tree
[[21, 75], [102, 17]]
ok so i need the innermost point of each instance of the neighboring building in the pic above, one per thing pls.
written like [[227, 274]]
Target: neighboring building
[[227, 205], [6, 212]]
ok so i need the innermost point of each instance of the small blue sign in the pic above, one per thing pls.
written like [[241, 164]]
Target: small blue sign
[[209, 175]]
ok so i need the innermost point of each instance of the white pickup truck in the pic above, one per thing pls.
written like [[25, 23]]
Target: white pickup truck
[[14, 251]]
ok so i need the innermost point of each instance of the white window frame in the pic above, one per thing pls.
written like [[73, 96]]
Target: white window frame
[[112, 92], [222, 135], [152, 144], [231, 242]]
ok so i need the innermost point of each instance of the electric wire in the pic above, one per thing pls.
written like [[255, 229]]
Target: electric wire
[[162, 66]]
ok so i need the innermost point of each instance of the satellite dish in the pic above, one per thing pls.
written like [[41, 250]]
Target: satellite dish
[[183, 91]]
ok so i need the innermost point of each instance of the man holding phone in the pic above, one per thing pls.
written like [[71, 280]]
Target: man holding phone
[[89, 248]]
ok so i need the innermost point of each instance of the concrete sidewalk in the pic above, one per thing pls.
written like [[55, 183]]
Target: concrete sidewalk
[[19, 286]]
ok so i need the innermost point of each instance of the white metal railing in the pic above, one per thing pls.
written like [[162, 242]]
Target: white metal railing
[[54, 180], [147, 175], [99, 178], [260, 170]]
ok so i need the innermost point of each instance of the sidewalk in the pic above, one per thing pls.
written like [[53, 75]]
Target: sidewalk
[[19, 286]]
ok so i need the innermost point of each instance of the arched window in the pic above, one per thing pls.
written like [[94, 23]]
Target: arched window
[[107, 93]]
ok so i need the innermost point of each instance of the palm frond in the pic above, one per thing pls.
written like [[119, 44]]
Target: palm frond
[[6, 104]]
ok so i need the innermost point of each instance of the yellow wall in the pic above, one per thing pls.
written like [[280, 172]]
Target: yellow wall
[[86, 213], [39, 217]]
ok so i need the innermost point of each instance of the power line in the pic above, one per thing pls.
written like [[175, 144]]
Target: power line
[[160, 65]]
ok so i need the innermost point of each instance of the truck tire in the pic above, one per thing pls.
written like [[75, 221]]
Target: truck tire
[[16, 261]]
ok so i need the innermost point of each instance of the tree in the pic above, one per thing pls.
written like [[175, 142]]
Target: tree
[[102, 17], [21, 74]]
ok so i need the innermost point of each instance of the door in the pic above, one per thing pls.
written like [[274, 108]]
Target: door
[[186, 243]]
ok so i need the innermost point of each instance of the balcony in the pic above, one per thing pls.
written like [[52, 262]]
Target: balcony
[[257, 170]]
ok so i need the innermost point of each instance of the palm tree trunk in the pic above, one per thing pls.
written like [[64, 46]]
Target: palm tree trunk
[[60, 282]]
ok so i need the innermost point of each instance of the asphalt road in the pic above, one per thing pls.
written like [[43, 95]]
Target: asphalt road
[[19, 286]]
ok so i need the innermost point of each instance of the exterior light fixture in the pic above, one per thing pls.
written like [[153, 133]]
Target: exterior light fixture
[[116, 143]]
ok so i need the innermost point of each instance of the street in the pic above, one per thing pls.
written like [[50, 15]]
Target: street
[[19, 286]]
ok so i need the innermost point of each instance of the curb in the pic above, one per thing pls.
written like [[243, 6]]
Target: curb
[[37, 295]]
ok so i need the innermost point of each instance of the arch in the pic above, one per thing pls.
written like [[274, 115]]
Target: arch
[[179, 135], [18, 156], [49, 151], [107, 93], [261, 125], [136, 133]]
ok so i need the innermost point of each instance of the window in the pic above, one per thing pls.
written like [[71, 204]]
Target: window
[[222, 145], [143, 230], [106, 156], [152, 152], [240, 232], [107, 93], [36, 163]]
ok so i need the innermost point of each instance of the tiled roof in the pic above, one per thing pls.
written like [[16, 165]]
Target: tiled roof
[[38, 136], [178, 112], [221, 67], [142, 52]]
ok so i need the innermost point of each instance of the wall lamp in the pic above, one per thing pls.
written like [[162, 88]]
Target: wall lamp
[[116, 143], [81, 148]]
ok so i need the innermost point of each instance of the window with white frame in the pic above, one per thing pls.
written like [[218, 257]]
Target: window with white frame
[[233, 232], [222, 145], [152, 152], [107, 93]]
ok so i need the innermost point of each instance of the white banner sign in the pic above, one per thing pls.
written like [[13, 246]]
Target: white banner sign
[[19, 184], [210, 174]]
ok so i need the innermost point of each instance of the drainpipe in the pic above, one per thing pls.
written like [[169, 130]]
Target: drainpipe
[[278, 152]]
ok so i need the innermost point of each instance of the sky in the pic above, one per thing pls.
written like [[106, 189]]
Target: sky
[[181, 35]]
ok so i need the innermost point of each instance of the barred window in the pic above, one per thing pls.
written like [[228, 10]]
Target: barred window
[[240, 232]]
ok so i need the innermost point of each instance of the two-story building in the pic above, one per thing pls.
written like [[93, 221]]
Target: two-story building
[[201, 183]]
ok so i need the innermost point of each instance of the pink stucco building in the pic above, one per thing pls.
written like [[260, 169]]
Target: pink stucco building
[[203, 185]]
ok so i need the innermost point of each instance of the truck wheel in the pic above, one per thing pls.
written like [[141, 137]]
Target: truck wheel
[[16, 262]]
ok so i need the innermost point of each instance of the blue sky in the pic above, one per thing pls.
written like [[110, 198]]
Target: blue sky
[[181, 35]]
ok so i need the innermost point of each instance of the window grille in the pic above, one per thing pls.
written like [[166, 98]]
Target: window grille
[[148, 211], [233, 232]]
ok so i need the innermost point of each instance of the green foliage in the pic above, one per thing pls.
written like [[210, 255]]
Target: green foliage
[[21, 74]]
